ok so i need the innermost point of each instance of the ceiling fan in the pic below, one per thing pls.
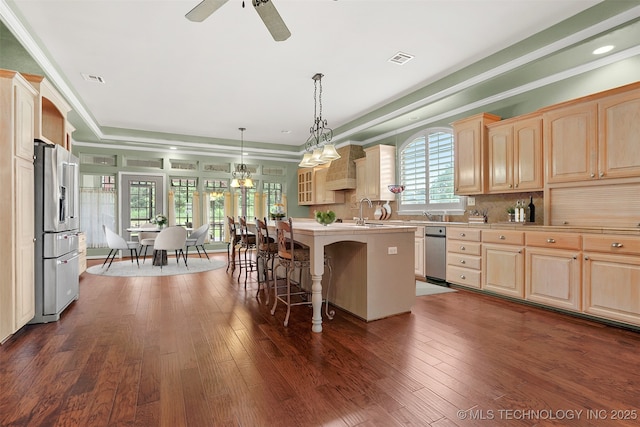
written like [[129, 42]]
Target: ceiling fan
[[265, 8]]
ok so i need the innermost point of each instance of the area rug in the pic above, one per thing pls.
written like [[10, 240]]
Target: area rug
[[128, 269], [424, 288]]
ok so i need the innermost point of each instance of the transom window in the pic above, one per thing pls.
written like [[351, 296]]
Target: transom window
[[426, 170]]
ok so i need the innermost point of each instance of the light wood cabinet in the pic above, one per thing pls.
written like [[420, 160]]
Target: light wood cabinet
[[305, 186], [419, 252], [82, 253], [51, 112], [17, 249], [464, 257], [612, 277], [376, 172], [322, 195], [503, 262], [470, 150], [553, 269], [619, 135], [515, 155], [597, 138]]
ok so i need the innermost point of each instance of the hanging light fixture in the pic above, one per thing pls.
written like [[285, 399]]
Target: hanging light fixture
[[318, 147], [241, 177]]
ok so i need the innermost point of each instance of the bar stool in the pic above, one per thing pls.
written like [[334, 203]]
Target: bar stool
[[267, 251], [247, 243], [232, 244], [291, 258]]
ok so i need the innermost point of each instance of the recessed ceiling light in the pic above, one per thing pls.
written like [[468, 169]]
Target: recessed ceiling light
[[603, 49], [285, 131], [173, 148]]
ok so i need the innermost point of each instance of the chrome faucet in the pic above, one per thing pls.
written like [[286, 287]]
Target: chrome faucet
[[429, 215], [360, 220]]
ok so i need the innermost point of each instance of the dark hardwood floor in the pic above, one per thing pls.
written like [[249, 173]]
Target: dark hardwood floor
[[199, 350]]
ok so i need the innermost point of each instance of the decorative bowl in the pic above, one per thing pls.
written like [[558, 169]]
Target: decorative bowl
[[325, 218], [396, 188]]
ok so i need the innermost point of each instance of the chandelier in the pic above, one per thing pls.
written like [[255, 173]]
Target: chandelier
[[318, 147], [241, 177]]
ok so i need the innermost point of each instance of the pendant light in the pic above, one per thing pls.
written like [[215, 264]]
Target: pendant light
[[241, 177]]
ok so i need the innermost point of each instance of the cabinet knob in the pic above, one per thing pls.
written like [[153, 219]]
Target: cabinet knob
[[520, 251], [462, 234], [586, 258], [463, 261], [575, 257], [551, 240], [502, 237], [516, 185], [565, 222], [616, 245], [462, 248], [462, 276], [593, 175], [510, 185], [601, 174]]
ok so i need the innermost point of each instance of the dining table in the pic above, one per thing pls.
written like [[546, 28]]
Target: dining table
[[159, 257]]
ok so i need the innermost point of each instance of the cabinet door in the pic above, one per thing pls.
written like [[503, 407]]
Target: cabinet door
[[468, 174], [419, 256], [361, 178], [305, 186], [553, 277], [527, 155], [619, 135], [503, 269], [24, 245], [501, 159], [372, 163], [612, 286], [24, 120], [570, 143]]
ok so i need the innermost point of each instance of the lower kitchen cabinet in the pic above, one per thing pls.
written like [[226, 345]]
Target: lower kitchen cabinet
[[553, 277], [612, 277], [464, 257], [419, 251], [503, 263]]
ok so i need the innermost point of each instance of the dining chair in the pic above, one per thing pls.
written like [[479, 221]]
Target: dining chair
[[293, 258], [196, 239], [267, 251], [116, 243], [232, 243], [146, 238], [172, 238]]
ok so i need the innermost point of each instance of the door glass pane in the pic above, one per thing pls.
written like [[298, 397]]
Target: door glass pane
[[141, 202]]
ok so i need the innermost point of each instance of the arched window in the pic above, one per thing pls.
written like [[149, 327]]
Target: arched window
[[426, 169]]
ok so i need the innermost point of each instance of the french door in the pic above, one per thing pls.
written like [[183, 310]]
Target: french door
[[142, 197]]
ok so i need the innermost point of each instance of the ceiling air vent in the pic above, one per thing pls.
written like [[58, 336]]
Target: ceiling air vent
[[92, 78], [401, 58]]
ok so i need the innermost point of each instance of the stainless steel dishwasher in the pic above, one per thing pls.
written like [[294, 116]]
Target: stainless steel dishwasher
[[435, 252]]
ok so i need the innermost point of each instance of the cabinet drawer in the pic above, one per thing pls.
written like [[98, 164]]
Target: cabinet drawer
[[611, 244], [543, 239], [464, 276], [467, 234], [507, 237], [462, 260], [462, 247]]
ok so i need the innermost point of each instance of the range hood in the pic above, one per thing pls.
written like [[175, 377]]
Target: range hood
[[342, 172]]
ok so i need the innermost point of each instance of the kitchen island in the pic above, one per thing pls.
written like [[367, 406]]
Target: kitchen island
[[373, 267]]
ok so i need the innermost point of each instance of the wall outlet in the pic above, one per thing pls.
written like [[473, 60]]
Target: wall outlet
[[471, 201], [392, 250]]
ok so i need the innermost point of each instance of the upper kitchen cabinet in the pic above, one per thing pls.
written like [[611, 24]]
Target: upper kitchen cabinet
[[322, 194], [376, 172], [619, 135], [470, 150], [305, 187], [17, 293], [596, 137], [515, 154], [50, 113]]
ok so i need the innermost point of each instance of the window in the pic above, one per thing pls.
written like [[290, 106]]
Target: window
[[141, 202], [426, 170], [273, 192], [183, 189], [97, 207], [246, 198], [215, 189]]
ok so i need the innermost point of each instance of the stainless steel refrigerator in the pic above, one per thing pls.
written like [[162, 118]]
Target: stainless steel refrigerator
[[56, 230]]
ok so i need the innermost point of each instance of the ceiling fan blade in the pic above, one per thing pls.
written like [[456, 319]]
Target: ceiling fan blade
[[204, 9], [271, 18]]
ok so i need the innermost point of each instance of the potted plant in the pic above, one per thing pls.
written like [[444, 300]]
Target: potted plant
[[511, 214], [278, 212]]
